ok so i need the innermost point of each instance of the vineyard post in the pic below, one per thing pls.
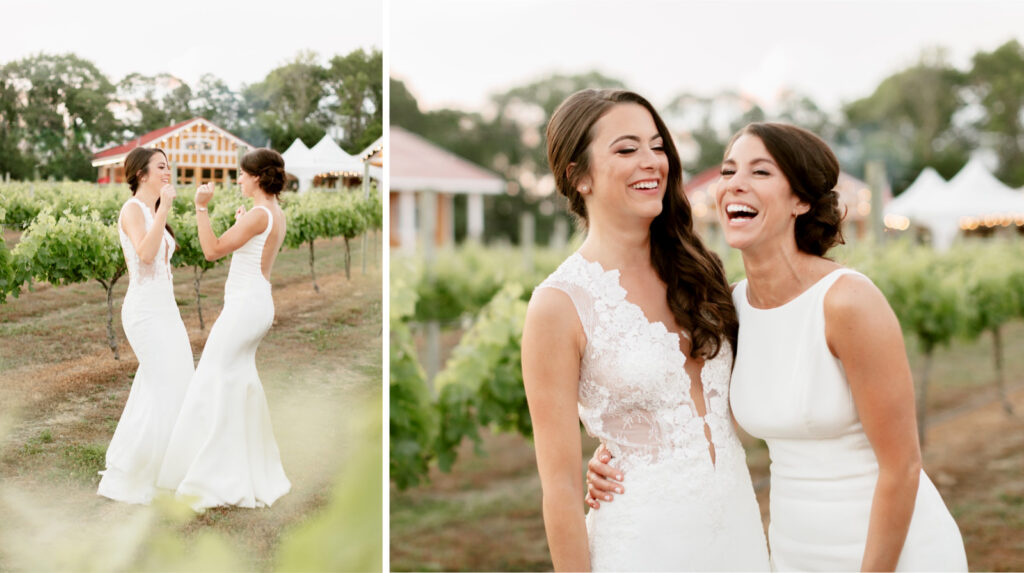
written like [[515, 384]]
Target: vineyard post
[[428, 230], [526, 237], [312, 270], [997, 344], [366, 197], [874, 173]]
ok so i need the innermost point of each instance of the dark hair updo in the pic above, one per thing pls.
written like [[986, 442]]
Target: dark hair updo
[[698, 292], [136, 165], [812, 171], [267, 166]]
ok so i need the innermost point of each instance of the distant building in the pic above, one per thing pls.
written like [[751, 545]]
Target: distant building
[[424, 181], [198, 150]]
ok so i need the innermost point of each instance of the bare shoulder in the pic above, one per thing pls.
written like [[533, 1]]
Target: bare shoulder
[[853, 294], [857, 315], [551, 306]]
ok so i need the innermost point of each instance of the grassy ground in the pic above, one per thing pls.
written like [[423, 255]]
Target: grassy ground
[[62, 393], [485, 515]]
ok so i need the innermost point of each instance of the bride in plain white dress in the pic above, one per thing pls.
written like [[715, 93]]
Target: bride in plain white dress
[[631, 336], [154, 330], [223, 451], [821, 373]]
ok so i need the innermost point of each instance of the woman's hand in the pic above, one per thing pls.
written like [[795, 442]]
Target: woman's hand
[[603, 480], [167, 195], [203, 194], [239, 212]]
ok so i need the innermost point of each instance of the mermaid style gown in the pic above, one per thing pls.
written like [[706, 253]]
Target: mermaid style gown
[[158, 337], [681, 512], [788, 389], [222, 450]]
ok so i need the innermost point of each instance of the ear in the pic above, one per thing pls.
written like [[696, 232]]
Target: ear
[[801, 208], [584, 185]]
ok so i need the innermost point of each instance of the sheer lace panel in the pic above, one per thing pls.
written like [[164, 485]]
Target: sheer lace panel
[[139, 272], [634, 392]]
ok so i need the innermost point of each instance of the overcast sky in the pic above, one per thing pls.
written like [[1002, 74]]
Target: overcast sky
[[238, 41], [454, 53]]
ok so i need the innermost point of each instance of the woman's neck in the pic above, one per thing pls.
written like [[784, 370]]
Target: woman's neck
[[618, 246], [777, 275], [148, 196], [264, 199]]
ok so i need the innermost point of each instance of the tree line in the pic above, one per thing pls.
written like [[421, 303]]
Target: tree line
[[928, 114], [57, 110]]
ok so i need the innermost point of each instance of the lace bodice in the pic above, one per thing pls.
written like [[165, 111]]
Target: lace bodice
[[140, 273], [634, 392]]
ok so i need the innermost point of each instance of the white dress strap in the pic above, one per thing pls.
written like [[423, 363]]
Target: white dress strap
[[270, 217]]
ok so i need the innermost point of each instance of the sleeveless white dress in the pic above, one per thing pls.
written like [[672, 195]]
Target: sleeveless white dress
[[680, 512], [222, 450], [788, 389], [158, 337]]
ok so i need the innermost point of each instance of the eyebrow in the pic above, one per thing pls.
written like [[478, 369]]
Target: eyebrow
[[755, 161], [632, 138]]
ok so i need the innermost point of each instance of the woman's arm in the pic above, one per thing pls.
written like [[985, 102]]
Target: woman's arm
[[133, 222], [551, 351], [248, 226], [863, 332]]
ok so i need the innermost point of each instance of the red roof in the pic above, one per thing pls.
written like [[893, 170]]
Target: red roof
[[418, 164], [140, 141]]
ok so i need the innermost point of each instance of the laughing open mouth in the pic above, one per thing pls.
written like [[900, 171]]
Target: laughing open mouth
[[736, 211]]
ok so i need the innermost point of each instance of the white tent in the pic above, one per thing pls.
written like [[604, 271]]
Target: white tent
[[974, 196], [325, 158]]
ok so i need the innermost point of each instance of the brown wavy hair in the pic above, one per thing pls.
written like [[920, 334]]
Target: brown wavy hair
[[136, 165], [812, 170], [698, 292]]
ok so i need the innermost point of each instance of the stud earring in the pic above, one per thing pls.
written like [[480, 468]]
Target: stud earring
[[584, 189]]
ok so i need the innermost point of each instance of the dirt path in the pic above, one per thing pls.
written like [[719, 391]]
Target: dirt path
[[320, 365]]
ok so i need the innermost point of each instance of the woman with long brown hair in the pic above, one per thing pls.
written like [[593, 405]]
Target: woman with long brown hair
[[633, 336], [154, 330], [821, 373]]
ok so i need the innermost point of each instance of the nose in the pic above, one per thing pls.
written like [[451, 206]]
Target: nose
[[649, 159]]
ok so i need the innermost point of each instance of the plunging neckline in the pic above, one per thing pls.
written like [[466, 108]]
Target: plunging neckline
[[663, 330]]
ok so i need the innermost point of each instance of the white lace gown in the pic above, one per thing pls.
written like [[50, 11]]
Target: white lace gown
[[788, 389], [158, 337], [222, 450], [680, 512]]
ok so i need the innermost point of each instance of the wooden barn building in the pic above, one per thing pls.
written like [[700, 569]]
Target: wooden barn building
[[198, 150]]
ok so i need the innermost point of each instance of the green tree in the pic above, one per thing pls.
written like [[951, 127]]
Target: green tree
[[156, 101], [908, 122], [356, 81], [218, 103], [62, 100], [71, 250], [998, 80], [287, 104]]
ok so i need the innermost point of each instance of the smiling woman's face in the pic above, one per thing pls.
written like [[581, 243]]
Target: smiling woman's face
[[628, 165], [756, 205]]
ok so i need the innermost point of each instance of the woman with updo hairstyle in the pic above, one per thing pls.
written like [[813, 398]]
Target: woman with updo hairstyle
[[222, 451], [821, 373], [633, 336], [153, 327]]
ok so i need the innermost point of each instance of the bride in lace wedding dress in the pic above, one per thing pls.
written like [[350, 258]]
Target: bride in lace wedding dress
[[632, 335], [154, 329]]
